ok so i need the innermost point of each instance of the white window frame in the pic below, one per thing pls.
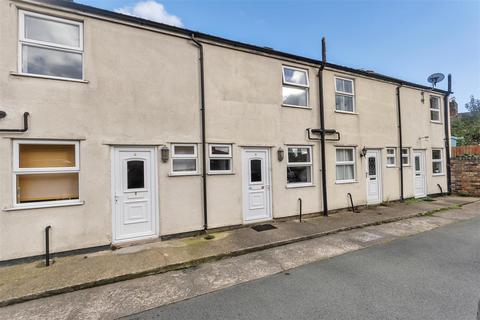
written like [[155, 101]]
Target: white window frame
[[296, 85], [438, 161], [343, 93], [24, 171], [437, 110], [406, 156], [220, 157], [22, 40], [184, 156], [394, 156], [353, 162], [301, 164]]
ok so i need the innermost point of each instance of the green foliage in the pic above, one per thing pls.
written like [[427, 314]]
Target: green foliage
[[468, 126]]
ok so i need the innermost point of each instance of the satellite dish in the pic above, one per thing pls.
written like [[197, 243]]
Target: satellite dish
[[435, 78]]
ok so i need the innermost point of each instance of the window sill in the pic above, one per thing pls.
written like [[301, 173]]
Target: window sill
[[346, 182], [299, 185], [294, 106], [394, 166], [225, 173], [346, 112], [438, 174], [436, 122], [27, 75], [49, 205], [184, 174]]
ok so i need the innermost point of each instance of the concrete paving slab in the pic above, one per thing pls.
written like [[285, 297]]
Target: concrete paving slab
[[28, 281]]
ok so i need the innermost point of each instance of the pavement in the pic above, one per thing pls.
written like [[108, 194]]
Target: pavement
[[29, 281], [128, 297], [433, 275]]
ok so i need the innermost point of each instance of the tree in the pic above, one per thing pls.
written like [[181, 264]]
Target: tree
[[474, 105]]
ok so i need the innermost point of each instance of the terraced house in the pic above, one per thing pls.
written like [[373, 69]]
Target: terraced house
[[116, 129]]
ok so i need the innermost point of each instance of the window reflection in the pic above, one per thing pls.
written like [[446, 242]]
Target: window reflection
[[49, 62]]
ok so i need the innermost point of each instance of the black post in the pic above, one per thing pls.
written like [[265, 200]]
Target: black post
[[47, 245], [400, 141], [204, 143], [447, 134], [322, 127], [300, 203]]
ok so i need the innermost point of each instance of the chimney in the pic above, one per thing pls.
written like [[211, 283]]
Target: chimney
[[453, 106]]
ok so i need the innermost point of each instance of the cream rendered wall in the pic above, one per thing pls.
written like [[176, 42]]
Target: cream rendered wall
[[143, 89]]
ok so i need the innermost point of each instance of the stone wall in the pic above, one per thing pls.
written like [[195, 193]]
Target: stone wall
[[466, 175]]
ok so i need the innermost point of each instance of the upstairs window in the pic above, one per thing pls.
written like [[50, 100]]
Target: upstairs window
[[50, 46], [435, 109], [391, 157], [45, 172], [295, 87], [344, 95], [220, 158], [299, 166], [437, 162], [184, 159]]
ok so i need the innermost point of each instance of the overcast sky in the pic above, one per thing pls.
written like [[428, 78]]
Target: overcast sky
[[404, 39]]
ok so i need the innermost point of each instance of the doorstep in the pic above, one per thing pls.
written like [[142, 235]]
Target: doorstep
[[29, 281]]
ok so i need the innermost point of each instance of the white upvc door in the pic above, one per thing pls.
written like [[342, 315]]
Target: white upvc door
[[374, 176], [256, 185], [135, 212], [419, 175]]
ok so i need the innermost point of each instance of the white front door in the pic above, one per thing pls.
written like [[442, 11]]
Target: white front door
[[419, 182], [256, 185], [374, 176], [134, 193]]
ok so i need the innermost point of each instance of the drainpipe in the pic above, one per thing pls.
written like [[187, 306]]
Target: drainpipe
[[447, 134], [322, 127], [400, 141], [204, 144]]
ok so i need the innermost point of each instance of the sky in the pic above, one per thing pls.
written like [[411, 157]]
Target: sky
[[404, 39]]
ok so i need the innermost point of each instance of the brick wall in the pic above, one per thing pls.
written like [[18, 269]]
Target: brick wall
[[466, 175]]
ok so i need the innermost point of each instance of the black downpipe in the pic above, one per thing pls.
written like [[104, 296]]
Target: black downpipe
[[204, 143], [447, 135], [47, 245], [322, 127], [25, 125], [300, 203], [400, 141]]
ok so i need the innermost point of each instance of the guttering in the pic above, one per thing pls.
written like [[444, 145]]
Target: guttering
[[400, 141], [446, 115], [322, 127], [80, 8], [204, 143]]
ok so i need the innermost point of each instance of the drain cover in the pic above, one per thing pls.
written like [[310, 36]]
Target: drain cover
[[263, 227]]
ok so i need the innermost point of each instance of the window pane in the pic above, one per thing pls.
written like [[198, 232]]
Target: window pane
[[390, 160], [437, 167], [184, 150], [345, 172], [61, 33], [344, 155], [299, 174], [51, 62], [219, 164], [434, 103], [135, 174], [391, 151], [404, 151], [182, 165], [47, 187], [405, 160], [372, 166], [344, 103], [298, 155], [435, 115], [46, 156], [295, 76], [221, 150], [344, 85], [295, 96], [255, 170], [417, 164], [436, 154]]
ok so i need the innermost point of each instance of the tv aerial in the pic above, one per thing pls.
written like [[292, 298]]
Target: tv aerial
[[435, 78]]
